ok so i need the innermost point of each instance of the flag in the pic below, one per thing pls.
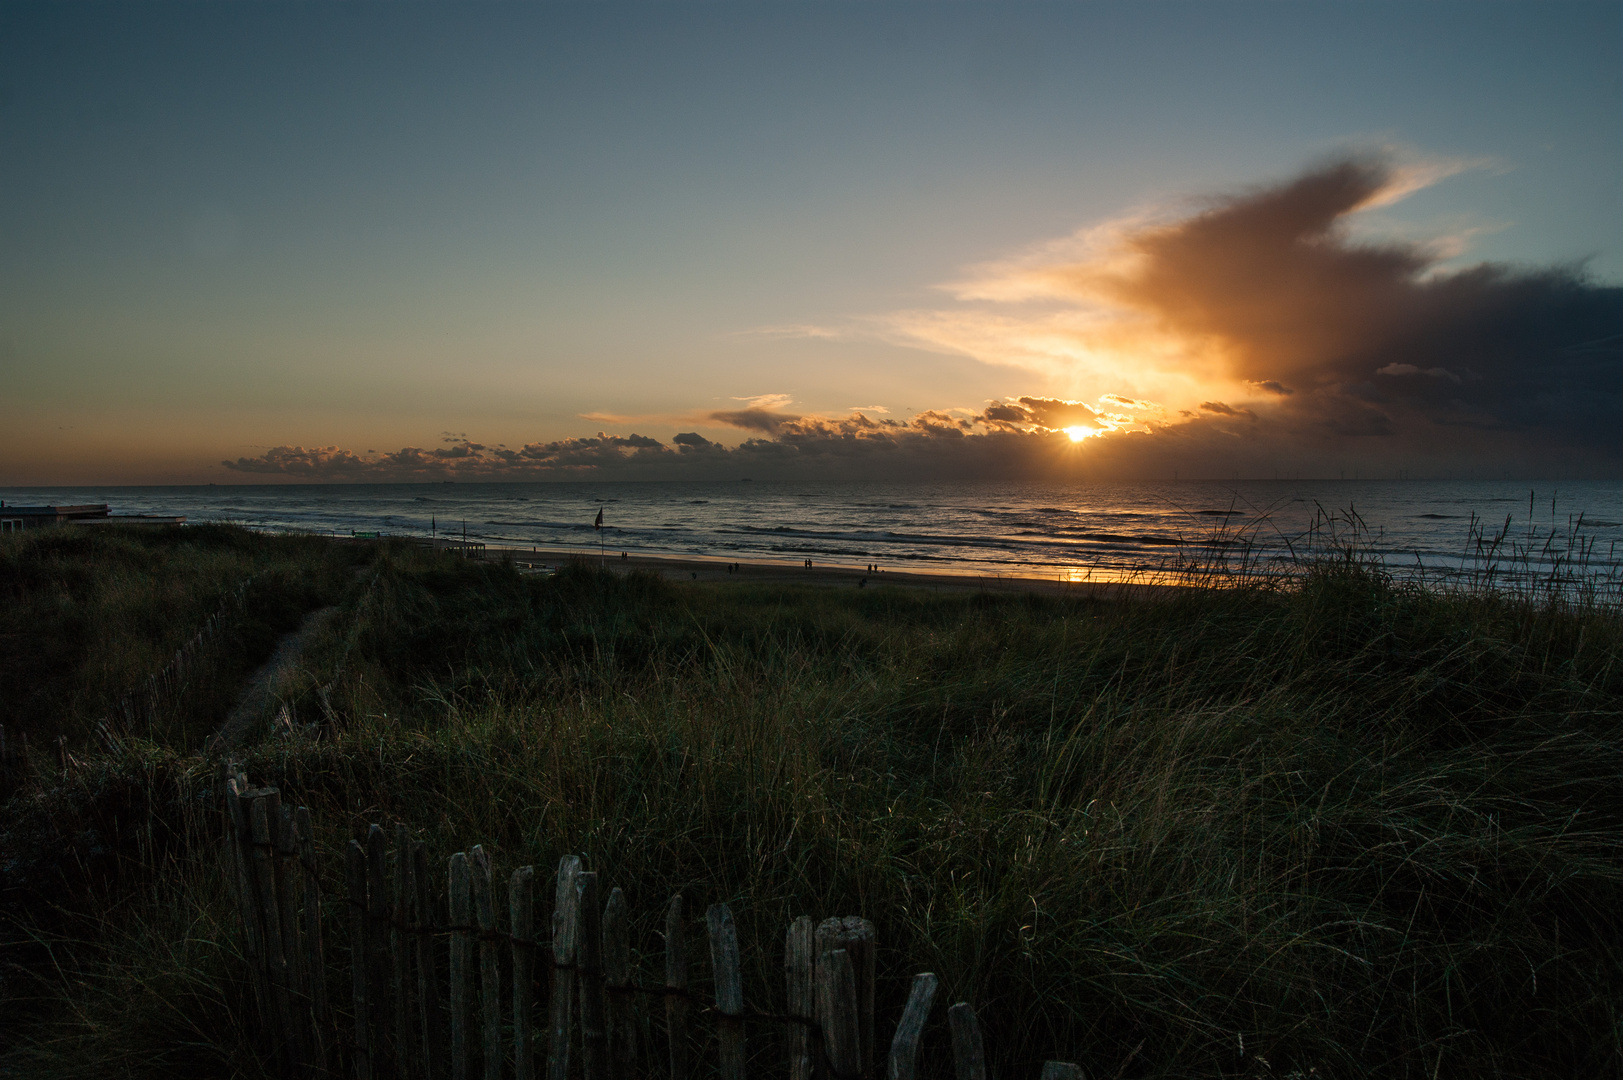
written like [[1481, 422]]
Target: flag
[[598, 524]]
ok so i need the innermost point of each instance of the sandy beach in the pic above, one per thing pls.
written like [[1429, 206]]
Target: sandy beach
[[831, 574]]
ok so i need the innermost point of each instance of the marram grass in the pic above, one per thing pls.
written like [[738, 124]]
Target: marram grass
[[1340, 828]]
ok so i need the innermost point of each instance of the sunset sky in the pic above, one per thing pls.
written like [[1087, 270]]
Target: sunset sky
[[353, 241]]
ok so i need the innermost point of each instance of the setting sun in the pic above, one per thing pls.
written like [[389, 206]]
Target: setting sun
[[1078, 432]]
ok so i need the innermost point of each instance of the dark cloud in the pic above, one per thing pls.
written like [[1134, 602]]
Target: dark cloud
[[753, 419], [1051, 414], [1121, 402], [1219, 408], [1272, 386], [318, 462], [1007, 438], [472, 460], [1054, 414], [1378, 339], [691, 442]]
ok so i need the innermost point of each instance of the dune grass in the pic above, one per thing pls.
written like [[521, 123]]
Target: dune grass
[[88, 614], [1340, 828]]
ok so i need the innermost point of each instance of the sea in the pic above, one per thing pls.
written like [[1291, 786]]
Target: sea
[[1099, 531]]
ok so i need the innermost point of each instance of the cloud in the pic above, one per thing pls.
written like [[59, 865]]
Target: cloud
[[1247, 334], [1270, 386], [797, 330], [764, 420], [1018, 436], [691, 442], [1125, 402], [318, 461], [466, 460], [1272, 282], [1410, 369], [767, 401], [1267, 303]]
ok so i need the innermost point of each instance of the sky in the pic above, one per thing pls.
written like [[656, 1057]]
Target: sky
[[352, 241]]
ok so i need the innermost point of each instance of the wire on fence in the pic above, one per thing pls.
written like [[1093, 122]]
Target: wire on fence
[[398, 1026]]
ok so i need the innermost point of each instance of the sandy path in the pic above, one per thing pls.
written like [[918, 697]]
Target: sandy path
[[261, 692]]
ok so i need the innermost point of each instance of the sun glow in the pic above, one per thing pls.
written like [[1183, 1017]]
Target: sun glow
[[1078, 432]]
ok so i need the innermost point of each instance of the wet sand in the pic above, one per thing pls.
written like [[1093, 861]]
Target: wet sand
[[831, 574]]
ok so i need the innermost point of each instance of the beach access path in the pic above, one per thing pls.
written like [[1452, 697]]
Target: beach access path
[[262, 692]]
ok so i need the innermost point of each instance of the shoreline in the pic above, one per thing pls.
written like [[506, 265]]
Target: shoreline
[[712, 568]]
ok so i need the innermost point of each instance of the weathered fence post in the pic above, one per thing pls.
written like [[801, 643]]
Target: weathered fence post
[[521, 911], [837, 1011], [461, 914], [565, 936], [490, 986], [617, 980], [855, 935], [428, 985], [241, 843], [968, 1053], [284, 1033], [676, 980], [904, 1048], [799, 972], [400, 948], [287, 885], [377, 942], [355, 866], [724, 962], [594, 1042], [315, 961], [828, 967]]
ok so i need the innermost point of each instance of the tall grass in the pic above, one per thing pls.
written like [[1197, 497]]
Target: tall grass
[[88, 614], [1538, 559], [1349, 827]]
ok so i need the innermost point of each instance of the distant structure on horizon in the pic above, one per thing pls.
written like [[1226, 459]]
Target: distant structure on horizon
[[17, 518]]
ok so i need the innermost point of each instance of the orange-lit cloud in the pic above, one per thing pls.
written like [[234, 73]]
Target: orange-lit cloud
[[766, 401], [1019, 436], [465, 459], [1265, 305]]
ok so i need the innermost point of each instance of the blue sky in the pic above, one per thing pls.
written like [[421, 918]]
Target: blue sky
[[227, 228]]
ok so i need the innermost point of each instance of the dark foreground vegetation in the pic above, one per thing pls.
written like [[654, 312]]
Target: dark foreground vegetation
[[88, 614], [1341, 828]]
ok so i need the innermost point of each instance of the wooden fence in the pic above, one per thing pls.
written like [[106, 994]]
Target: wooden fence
[[138, 710], [412, 1020], [142, 707]]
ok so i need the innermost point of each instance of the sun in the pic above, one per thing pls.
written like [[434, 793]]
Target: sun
[[1078, 432]]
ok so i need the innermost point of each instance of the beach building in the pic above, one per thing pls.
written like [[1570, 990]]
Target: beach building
[[13, 518], [16, 518]]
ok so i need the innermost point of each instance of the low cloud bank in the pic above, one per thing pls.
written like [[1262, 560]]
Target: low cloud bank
[[1006, 438]]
